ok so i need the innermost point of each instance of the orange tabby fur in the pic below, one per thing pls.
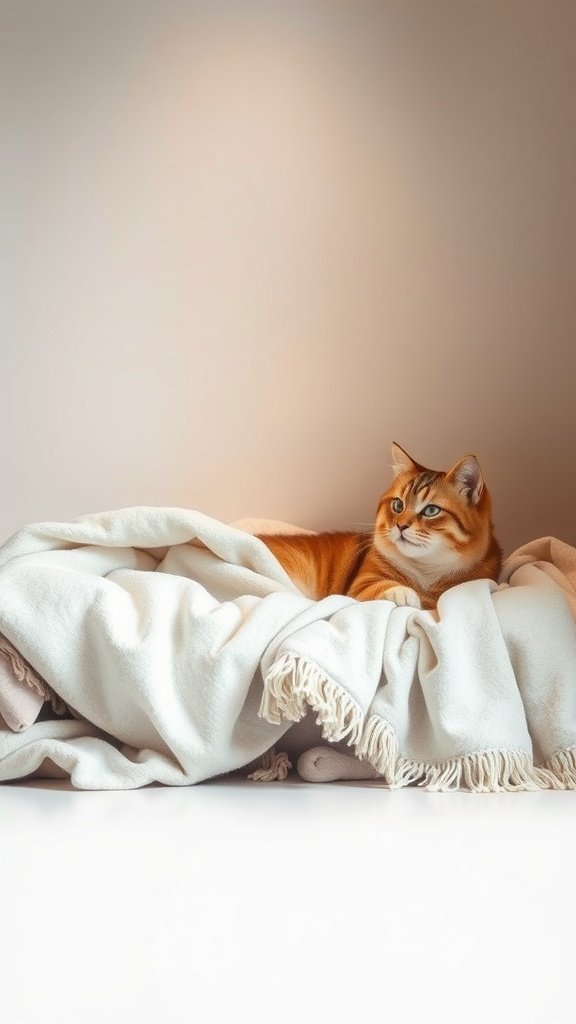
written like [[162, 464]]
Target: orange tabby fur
[[410, 557]]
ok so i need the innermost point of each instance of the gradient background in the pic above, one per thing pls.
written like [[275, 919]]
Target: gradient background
[[246, 245]]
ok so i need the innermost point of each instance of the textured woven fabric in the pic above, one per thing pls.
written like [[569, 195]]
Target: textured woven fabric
[[185, 651]]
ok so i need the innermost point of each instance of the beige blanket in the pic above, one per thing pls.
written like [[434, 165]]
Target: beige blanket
[[551, 556]]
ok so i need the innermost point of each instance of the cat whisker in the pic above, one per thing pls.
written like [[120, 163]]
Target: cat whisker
[[365, 546]]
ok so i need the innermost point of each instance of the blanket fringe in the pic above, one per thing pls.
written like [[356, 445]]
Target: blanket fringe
[[563, 767], [379, 747], [24, 673], [275, 767], [293, 684], [489, 771]]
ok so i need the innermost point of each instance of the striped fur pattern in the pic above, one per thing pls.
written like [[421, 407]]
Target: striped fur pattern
[[433, 530]]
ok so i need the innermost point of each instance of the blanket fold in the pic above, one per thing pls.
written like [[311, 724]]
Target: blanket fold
[[184, 651]]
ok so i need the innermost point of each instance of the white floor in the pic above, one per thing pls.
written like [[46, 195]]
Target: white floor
[[286, 903]]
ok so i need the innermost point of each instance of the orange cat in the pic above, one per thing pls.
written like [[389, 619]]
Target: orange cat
[[432, 531]]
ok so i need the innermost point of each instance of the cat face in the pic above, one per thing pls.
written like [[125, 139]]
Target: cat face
[[432, 518]]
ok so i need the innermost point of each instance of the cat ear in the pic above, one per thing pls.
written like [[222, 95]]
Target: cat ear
[[466, 476], [401, 461]]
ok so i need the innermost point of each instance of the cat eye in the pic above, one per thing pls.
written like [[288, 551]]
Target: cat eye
[[397, 505], [431, 510]]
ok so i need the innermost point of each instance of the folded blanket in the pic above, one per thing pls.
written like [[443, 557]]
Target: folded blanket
[[184, 651], [22, 693], [554, 558]]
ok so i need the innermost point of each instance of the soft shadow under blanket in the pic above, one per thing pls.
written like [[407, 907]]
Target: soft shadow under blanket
[[184, 651]]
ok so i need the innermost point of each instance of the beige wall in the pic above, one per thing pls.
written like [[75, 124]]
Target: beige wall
[[248, 244]]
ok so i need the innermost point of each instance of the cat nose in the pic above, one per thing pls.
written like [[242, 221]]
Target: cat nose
[[403, 527]]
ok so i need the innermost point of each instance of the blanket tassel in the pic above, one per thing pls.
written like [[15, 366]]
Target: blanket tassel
[[563, 767], [293, 684], [379, 747], [275, 767]]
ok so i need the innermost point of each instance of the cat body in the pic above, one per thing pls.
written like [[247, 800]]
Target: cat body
[[433, 530]]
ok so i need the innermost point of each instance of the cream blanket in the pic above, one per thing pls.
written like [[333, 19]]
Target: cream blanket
[[185, 651]]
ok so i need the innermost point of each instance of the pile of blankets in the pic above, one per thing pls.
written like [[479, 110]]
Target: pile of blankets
[[160, 645]]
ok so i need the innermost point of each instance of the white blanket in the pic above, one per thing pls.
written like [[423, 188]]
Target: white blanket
[[185, 651]]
